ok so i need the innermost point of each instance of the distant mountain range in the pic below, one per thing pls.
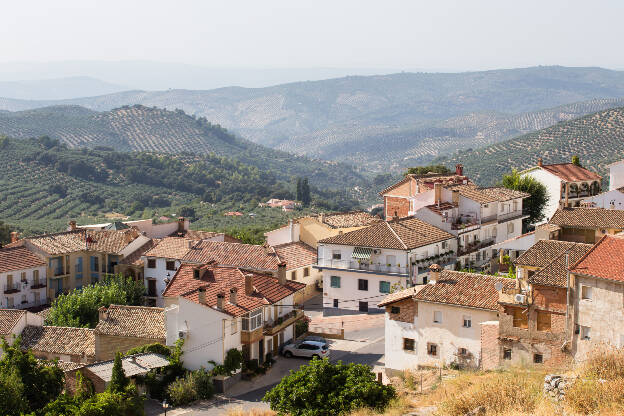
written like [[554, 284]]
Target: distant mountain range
[[598, 139], [386, 121], [57, 89]]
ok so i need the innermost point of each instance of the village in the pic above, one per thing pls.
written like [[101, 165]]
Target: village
[[447, 278]]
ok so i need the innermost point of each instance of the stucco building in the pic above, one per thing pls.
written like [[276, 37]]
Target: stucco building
[[22, 278]]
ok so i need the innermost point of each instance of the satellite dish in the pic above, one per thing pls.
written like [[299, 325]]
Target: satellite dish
[[498, 286]]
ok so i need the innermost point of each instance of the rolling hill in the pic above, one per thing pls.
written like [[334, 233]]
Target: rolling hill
[[140, 128], [57, 89], [378, 121], [598, 139]]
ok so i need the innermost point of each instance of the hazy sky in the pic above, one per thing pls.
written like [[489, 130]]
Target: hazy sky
[[435, 34]]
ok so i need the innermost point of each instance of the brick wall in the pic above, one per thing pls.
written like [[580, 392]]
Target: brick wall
[[490, 346], [398, 205], [107, 345], [408, 309], [549, 298]]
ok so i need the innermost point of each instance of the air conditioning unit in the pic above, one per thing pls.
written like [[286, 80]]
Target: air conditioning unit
[[519, 298], [182, 334], [376, 251]]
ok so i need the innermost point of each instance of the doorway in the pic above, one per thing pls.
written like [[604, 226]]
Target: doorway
[[261, 351]]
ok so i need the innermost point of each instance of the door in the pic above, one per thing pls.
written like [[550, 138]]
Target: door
[[151, 287], [37, 298], [363, 306], [261, 351], [275, 344]]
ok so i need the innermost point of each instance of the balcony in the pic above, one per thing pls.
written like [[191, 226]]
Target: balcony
[[249, 337], [274, 327], [510, 216], [473, 247], [362, 266], [444, 259], [37, 284], [508, 296], [12, 288], [465, 223]]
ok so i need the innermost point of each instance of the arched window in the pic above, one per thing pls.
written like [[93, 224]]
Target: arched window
[[594, 189], [584, 189], [574, 190]]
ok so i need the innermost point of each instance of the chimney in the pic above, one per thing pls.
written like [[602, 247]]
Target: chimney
[[14, 236], [434, 273], [102, 314], [248, 284], [291, 229], [459, 169], [189, 244], [321, 218], [281, 273], [233, 295], [567, 193], [181, 223], [72, 225], [540, 162], [220, 300], [201, 294], [267, 249], [455, 197], [437, 193]]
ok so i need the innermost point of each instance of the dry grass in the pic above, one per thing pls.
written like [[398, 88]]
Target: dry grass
[[252, 412]]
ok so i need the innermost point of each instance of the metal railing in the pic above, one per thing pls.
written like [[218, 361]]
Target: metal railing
[[363, 265], [471, 248], [13, 287], [37, 284], [510, 215]]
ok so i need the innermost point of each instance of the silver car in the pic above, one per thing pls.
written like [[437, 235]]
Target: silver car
[[308, 349]]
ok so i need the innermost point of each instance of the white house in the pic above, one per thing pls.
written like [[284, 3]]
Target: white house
[[616, 175], [567, 184], [217, 308], [614, 197], [23, 278], [440, 323], [13, 322], [478, 217], [361, 267]]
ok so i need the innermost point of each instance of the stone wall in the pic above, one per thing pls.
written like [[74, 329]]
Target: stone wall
[[408, 310], [398, 205], [107, 345], [490, 347]]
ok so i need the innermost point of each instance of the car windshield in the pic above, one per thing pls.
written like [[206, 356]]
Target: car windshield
[[325, 346]]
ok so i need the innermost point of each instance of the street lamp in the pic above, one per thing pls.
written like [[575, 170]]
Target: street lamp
[[165, 406]]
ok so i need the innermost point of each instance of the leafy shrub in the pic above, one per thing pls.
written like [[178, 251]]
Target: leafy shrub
[[182, 392], [153, 348], [302, 326], [325, 389], [202, 381]]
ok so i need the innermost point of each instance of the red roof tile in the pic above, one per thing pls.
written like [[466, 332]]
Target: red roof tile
[[246, 256], [296, 255], [604, 260], [18, 258], [171, 248], [570, 172]]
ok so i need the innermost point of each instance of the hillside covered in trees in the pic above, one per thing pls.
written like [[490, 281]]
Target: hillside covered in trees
[[598, 139], [43, 183]]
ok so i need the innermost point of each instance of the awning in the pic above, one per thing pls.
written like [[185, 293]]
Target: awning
[[362, 253]]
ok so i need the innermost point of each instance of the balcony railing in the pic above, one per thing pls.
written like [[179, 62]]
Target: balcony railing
[[471, 248], [363, 266], [510, 215], [37, 284], [275, 326], [12, 288], [465, 223]]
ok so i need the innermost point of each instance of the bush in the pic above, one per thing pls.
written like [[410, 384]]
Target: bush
[[301, 327], [154, 348], [182, 392], [202, 382], [325, 389]]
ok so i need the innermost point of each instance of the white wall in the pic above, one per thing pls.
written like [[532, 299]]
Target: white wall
[[616, 175], [604, 200], [284, 235], [395, 357], [26, 292], [160, 274], [553, 188]]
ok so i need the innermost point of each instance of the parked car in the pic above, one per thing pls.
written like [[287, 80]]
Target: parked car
[[315, 338], [309, 349]]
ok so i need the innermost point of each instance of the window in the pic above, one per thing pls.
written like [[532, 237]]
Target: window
[[23, 277], [363, 307], [432, 349], [467, 321], [543, 321], [462, 352], [538, 358], [444, 245], [252, 321], [395, 310], [507, 354], [384, 287], [24, 299], [36, 276], [10, 303], [520, 318], [408, 344], [170, 265], [502, 207], [336, 255], [586, 292], [293, 275], [37, 298], [515, 205], [362, 284], [478, 256], [95, 263], [391, 260], [335, 281], [306, 272], [233, 326], [585, 333], [437, 317], [151, 263], [78, 265], [335, 303], [510, 227], [195, 273]]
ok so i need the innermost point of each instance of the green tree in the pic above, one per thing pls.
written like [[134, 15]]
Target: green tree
[[305, 193], [534, 205], [298, 193], [5, 233], [324, 389], [119, 381], [576, 161], [422, 170], [12, 400]]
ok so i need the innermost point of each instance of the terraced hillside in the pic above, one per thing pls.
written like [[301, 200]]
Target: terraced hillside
[[140, 128], [598, 139], [378, 121], [43, 183]]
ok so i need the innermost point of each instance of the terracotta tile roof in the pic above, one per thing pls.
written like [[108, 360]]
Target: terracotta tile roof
[[428, 180], [556, 273], [548, 227], [69, 366], [132, 365], [349, 219], [296, 255], [18, 258], [247, 256], [108, 241], [59, 340], [438, 208], [171, 248], [544, 252], [400, 295], [487, 195], [203, 235], [133, 321], [571, 173], [464, 289], [403, 234], [134, 258], [589, 218], [504, 194], [605, 260], [219, 279], [8, 319]]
